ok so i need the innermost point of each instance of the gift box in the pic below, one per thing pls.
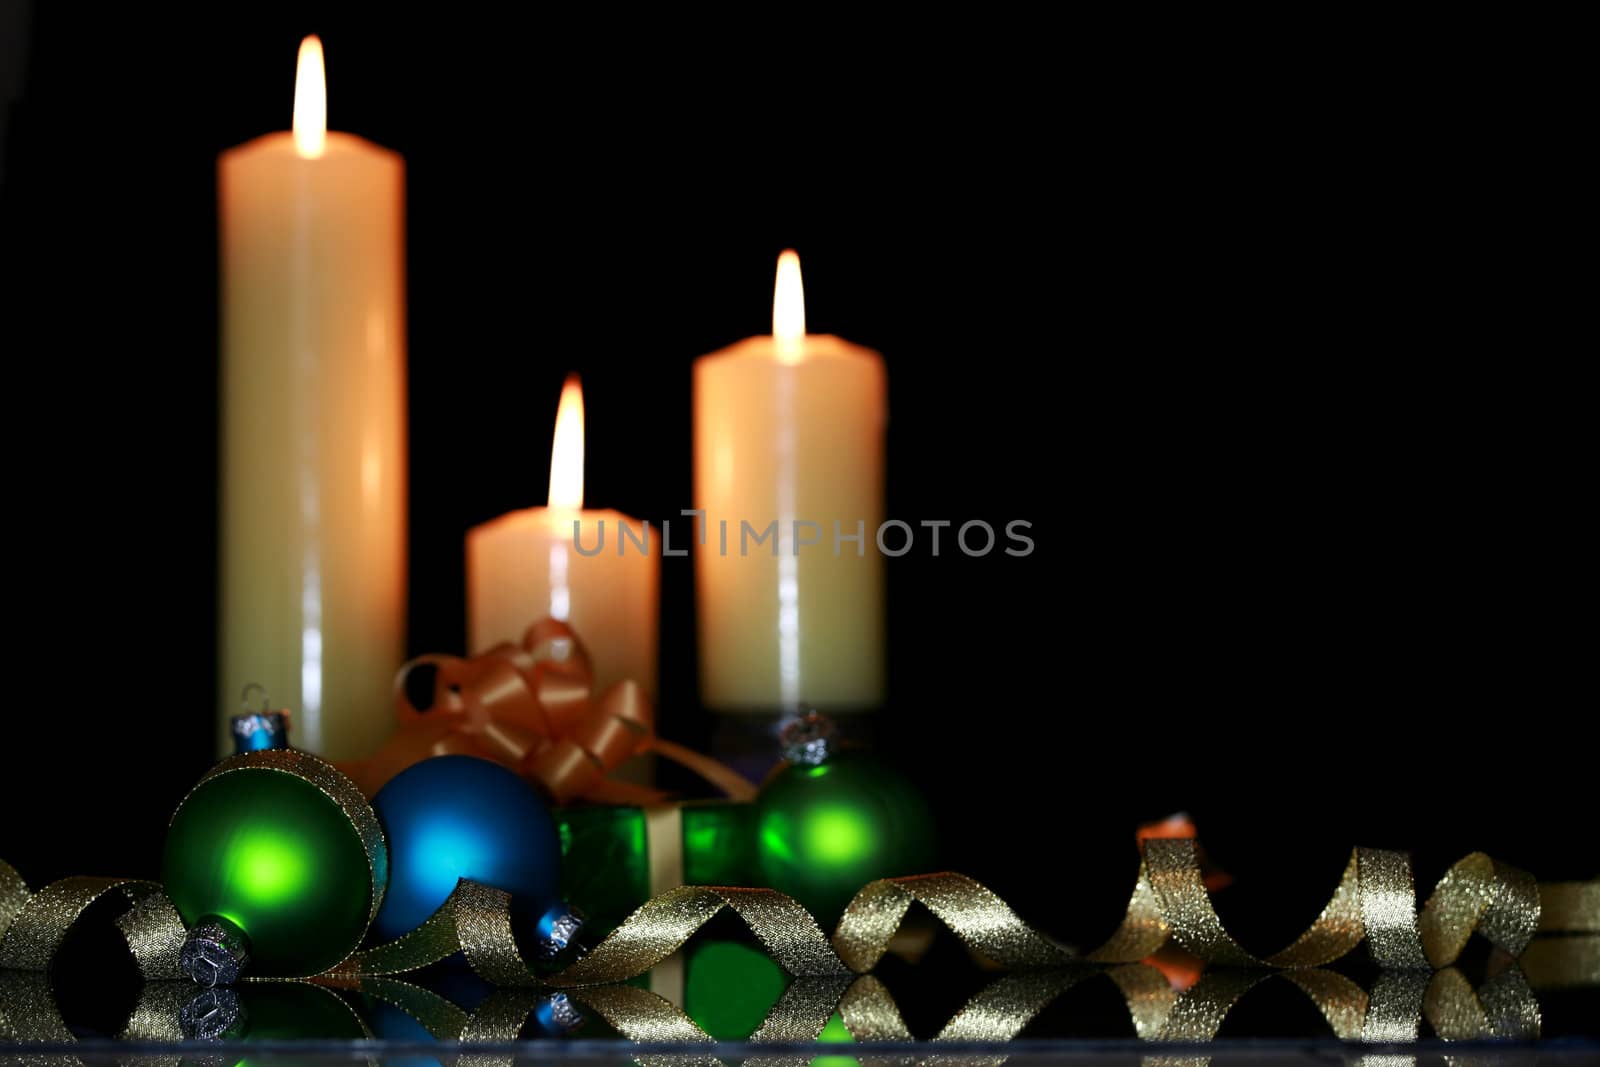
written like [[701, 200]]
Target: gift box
[[616, 857]]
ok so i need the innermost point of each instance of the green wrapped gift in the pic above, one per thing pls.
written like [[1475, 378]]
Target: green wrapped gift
[[615, 858]]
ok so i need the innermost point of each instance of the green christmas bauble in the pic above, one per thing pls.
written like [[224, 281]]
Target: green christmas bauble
[[277, 859], [824, 831]]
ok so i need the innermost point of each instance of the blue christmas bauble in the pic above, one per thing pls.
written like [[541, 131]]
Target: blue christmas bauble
[[453, 817]]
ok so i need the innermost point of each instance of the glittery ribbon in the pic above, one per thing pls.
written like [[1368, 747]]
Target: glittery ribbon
[[532, 707], [32, 927], [1374, 902], [1391, 1010]]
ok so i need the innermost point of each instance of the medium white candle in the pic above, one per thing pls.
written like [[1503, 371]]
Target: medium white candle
[[789, 430], [525, 566], [313, 576]]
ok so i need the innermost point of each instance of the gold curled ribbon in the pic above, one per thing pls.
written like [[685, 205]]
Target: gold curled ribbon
[[13, 895], [1373, 903], [984, 922], [476, 920], [1483, 895], [33, 926], [532, 707]]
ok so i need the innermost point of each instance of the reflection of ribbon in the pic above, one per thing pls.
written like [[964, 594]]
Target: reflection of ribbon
[[1375, 902], [1389, 1010], [532, 707]]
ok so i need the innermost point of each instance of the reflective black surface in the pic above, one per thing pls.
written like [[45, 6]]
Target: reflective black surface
[[943, 1004]]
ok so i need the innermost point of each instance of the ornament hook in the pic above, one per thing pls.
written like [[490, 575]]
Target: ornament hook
[[266, 701], [259, 727]]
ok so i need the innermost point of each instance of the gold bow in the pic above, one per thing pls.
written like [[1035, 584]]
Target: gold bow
[[532, 707]]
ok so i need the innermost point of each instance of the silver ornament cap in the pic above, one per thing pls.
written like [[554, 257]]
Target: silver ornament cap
[[558, 927], [808, 739], [210, 1014], [259, 728], [214, 954], [563, 1014]]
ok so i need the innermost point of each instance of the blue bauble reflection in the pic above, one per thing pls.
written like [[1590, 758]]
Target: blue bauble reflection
[[389, 1023], [453, 817]]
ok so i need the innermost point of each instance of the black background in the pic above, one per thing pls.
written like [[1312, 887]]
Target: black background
[[1255, 336]]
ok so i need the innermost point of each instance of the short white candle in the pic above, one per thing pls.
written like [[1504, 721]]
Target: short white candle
[[524, 566]]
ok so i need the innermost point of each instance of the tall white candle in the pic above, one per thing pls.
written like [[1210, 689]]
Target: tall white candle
[[313, 580], [789, 435]]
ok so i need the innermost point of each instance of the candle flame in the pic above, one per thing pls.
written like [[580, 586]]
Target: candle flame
[[789, 306], [566, 456], [310, 100]]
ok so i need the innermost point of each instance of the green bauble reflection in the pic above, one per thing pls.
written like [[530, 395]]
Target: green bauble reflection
[[729, 988], [835, 1032], [295, 1011], [823, 832], [274, 855], [286, 1011]]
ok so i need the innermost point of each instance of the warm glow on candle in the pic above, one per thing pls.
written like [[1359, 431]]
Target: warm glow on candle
[[789, 306], [548, 561], [788, 431], [566, 456], [313, 322], [310, 100]]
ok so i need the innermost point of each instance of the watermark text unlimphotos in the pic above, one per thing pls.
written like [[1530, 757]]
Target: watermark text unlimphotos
[[893, 537]]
